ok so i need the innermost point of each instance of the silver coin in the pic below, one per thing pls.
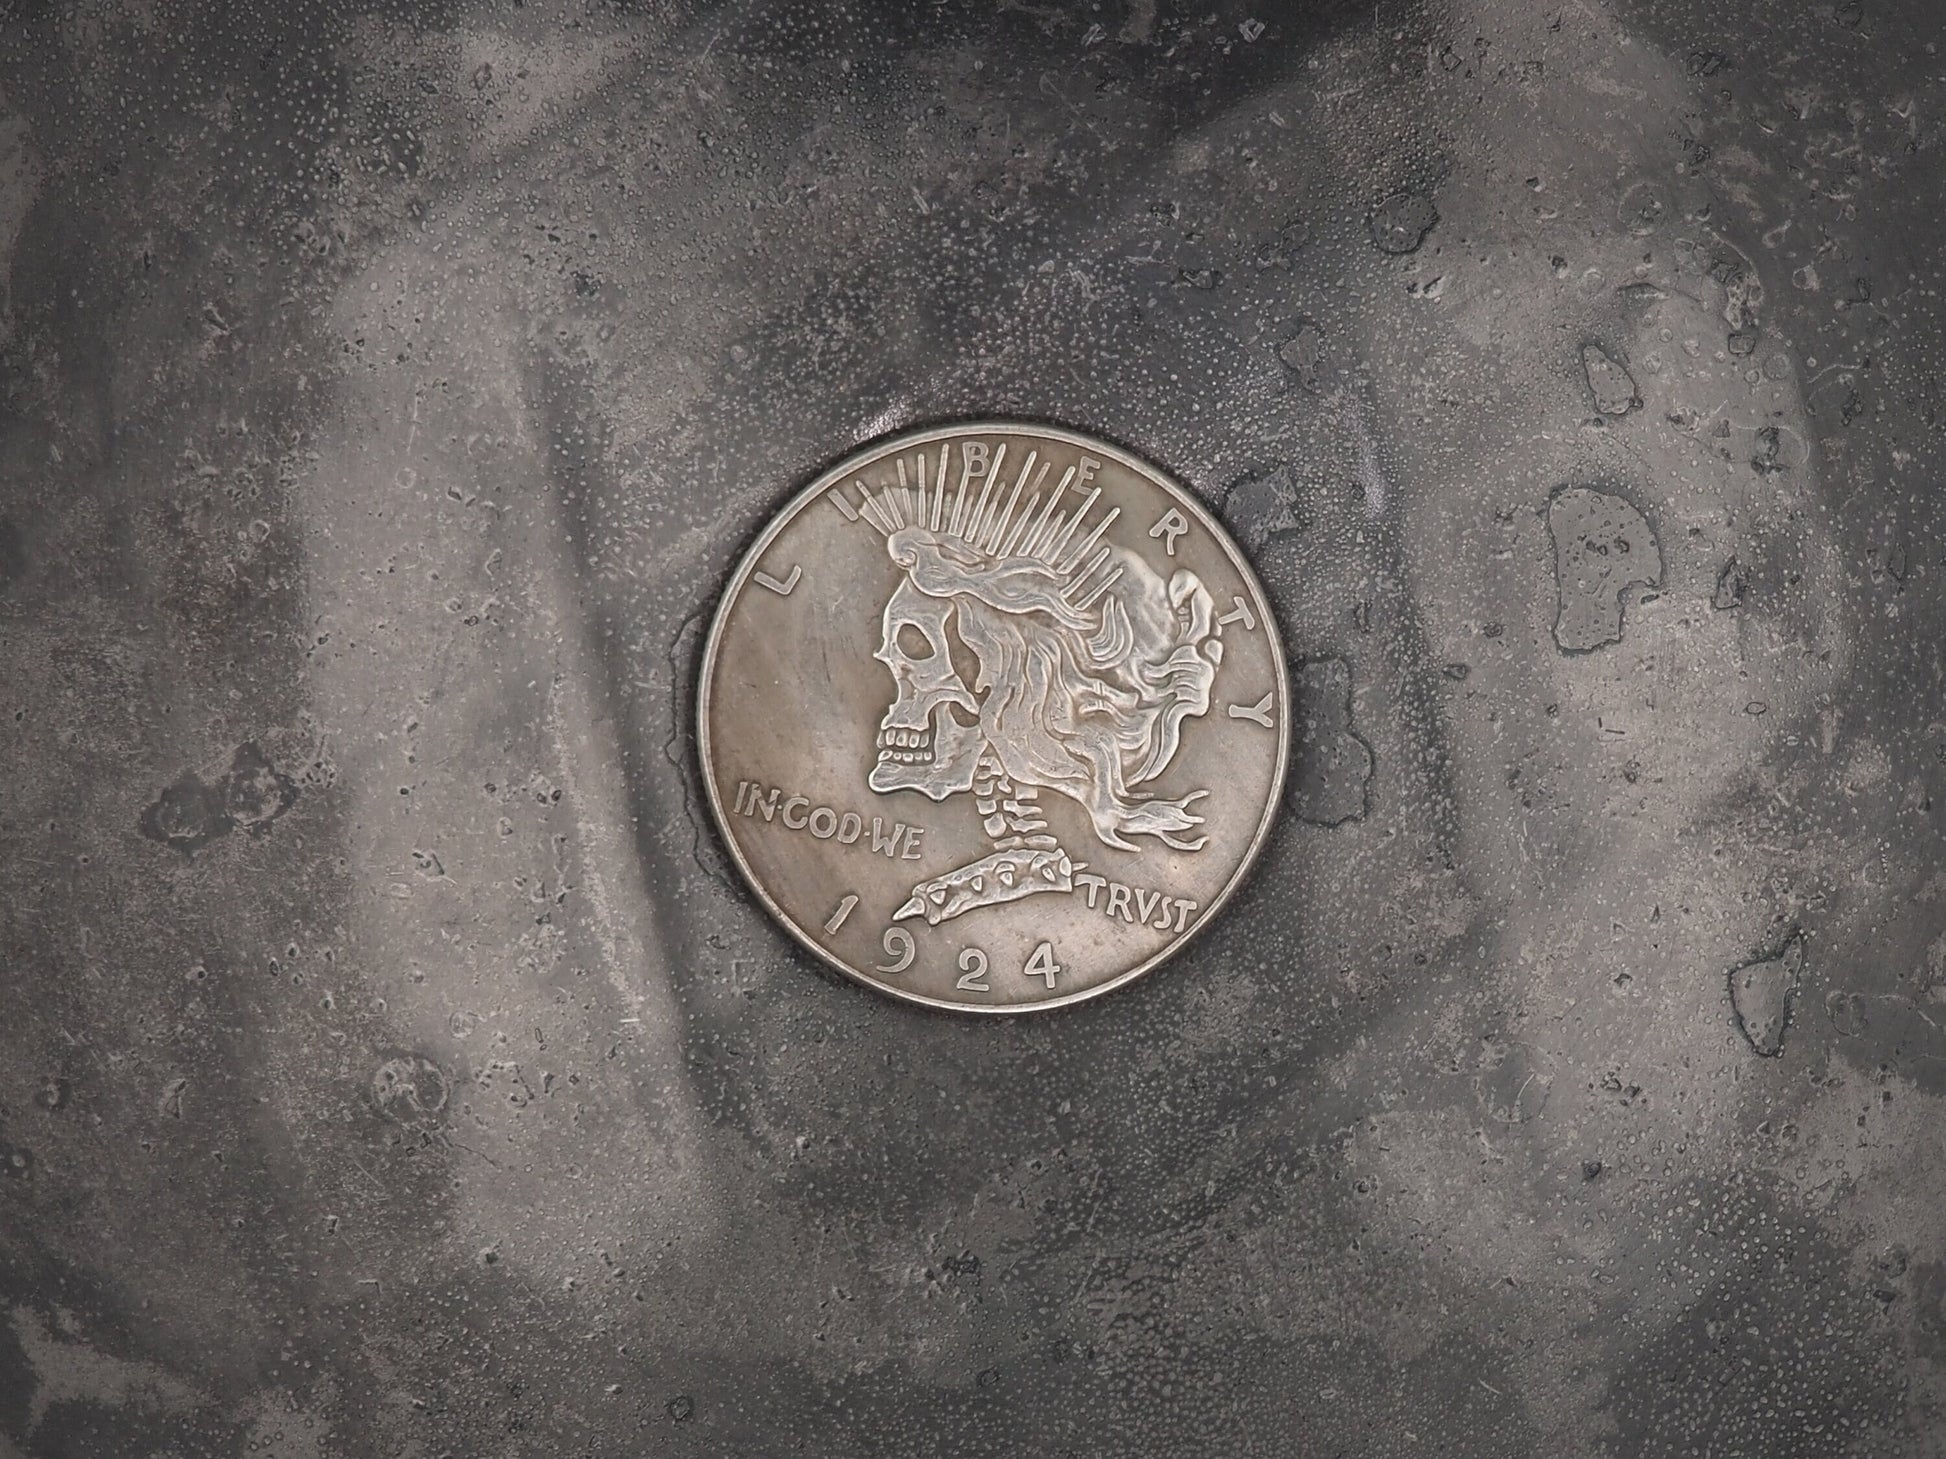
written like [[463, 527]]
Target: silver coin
[[994, 717]]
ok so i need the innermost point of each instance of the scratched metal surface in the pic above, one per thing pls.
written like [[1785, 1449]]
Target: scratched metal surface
[[390, 1065]]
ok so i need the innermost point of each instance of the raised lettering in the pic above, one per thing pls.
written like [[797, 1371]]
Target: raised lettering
[[1241, 614], [1118, 902], [1145, 903], [825, 822], [1093, 883], [1041, 964], [912, 835], [1089, 466], [975, 964], [1169, 527], [844, 911], [1183, 908], [783, 589], [1260, 712], [973, 462], [900, 948]]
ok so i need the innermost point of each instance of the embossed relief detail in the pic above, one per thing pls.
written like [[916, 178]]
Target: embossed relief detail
[[1088, 663]]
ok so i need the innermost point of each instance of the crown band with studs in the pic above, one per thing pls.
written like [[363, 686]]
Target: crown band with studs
[[990, 529]]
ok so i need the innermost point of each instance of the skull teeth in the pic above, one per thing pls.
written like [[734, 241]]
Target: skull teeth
[[905, 746]]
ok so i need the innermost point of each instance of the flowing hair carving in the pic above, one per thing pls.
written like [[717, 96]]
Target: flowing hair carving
[[1087, 700]]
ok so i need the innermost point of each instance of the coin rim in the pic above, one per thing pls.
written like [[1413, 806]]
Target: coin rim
[[891, 443]]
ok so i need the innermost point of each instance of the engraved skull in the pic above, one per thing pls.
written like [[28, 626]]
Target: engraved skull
[[921, 743]]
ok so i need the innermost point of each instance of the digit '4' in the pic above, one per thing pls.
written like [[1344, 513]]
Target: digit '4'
[[1041, 964]]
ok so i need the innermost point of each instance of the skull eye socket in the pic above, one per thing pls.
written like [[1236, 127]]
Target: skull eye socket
[[912, 643]]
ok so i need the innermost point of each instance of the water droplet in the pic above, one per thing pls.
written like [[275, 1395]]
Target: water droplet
[[1761, 993], [1303, 353], [1769, 443], [1281, 251], [1400, 223], [1643, 208], [1602, 547], [256, 792], [409, 1088], [1261, 507], [1731, 585], [1609, 381], [1331, 765], [1846, 1012]]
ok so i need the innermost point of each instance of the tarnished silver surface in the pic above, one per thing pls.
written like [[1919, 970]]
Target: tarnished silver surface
[[993, 716]]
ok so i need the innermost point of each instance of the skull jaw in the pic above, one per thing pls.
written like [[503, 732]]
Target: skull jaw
[[948, 768]]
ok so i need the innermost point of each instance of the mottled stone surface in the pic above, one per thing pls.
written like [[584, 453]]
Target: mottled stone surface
[[390, 1066]]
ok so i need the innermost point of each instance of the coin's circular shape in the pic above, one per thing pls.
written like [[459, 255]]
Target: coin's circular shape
[[993, 716]]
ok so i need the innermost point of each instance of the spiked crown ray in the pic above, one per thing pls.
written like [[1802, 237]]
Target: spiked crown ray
[[989, 528]]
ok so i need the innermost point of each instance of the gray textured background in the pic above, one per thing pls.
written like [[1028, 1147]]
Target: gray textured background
[[388, 1065]]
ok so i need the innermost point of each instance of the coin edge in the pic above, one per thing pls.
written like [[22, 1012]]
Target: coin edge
[[831, 475]]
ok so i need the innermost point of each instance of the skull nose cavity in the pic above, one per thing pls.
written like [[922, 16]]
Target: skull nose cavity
[[905, 746]]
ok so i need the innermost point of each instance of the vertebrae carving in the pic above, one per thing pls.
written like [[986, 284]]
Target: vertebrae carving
[[1086, 663]]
